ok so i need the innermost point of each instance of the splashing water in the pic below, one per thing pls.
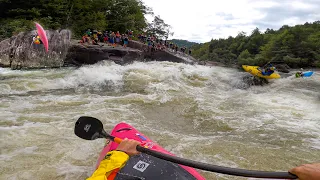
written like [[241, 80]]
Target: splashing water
[[196, 112]]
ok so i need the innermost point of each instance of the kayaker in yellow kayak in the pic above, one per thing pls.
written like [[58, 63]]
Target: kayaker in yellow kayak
[[262, 72], [115, 160], [268, 70]]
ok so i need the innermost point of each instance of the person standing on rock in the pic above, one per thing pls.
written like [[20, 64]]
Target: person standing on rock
[[118, 36], [95, 37], [100, 36], [106, 37], [111, 39], [125, 41], [130, 34]]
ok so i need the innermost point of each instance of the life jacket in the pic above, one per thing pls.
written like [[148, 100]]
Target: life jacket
[[267, 73], [141, 166], [109, 167], [37, 40]]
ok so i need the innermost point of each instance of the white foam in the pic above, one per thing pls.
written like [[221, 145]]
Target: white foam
[[18, 152], [39, 115]]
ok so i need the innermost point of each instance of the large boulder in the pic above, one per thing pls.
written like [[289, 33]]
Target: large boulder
[[79, 54], [282, 68], [137, 45], [19, 51]]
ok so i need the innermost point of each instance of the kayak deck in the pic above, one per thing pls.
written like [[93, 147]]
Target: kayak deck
[[158, 168]]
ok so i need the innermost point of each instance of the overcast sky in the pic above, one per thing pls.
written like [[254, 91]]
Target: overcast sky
[[202, 20]]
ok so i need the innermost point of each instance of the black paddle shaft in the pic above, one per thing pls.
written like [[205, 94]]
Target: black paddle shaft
[[90, 128], [218, 169]]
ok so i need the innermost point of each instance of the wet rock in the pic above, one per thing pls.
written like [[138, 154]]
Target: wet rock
[[137, 45], [254, 81], [282, 68], [163, 55], [79, 54]]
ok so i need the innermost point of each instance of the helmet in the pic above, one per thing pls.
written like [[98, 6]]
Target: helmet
[[273, 68]]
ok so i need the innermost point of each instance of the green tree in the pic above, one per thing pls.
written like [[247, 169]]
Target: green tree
[[298, 46], [182, 43], [159, 28], [77, 15]]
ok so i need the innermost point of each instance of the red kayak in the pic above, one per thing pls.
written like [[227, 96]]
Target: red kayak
[[144, 166]]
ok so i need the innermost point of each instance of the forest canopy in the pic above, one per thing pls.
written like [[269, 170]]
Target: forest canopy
[[297, 46], [183, 43], [77, 15]]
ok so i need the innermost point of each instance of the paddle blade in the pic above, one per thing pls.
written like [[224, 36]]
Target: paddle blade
[[89, 128]]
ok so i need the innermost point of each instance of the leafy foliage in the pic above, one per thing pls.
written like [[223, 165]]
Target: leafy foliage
[[298, 46], [159, 28], [79, 15]]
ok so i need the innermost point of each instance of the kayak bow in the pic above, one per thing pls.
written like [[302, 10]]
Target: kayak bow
[[90, 128]]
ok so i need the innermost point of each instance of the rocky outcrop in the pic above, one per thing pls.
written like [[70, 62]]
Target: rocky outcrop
[[165, 55], [79, 54], [19, 51], [137, 45]]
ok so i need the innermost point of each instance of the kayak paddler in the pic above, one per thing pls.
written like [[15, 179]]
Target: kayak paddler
[[299, 74], [36, 39], [268, 71], [115, 160]]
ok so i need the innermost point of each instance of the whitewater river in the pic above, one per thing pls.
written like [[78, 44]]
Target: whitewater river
[[202, 113]]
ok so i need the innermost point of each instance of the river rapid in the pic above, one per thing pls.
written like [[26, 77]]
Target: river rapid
[[202, 113]]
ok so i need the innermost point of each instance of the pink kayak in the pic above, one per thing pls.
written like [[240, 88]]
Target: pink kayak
[[143, 165], [42, 33]]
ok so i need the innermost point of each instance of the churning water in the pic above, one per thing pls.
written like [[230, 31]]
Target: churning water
[[197, 112]]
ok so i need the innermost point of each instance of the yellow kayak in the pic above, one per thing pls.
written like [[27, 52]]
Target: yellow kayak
[[254, 70]]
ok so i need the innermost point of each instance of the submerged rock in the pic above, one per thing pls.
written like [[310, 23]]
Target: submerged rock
[[254, 81], [282, 68]]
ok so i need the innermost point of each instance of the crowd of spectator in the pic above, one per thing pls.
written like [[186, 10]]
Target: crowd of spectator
[[109, 37], [156, 44], [116, 38]]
